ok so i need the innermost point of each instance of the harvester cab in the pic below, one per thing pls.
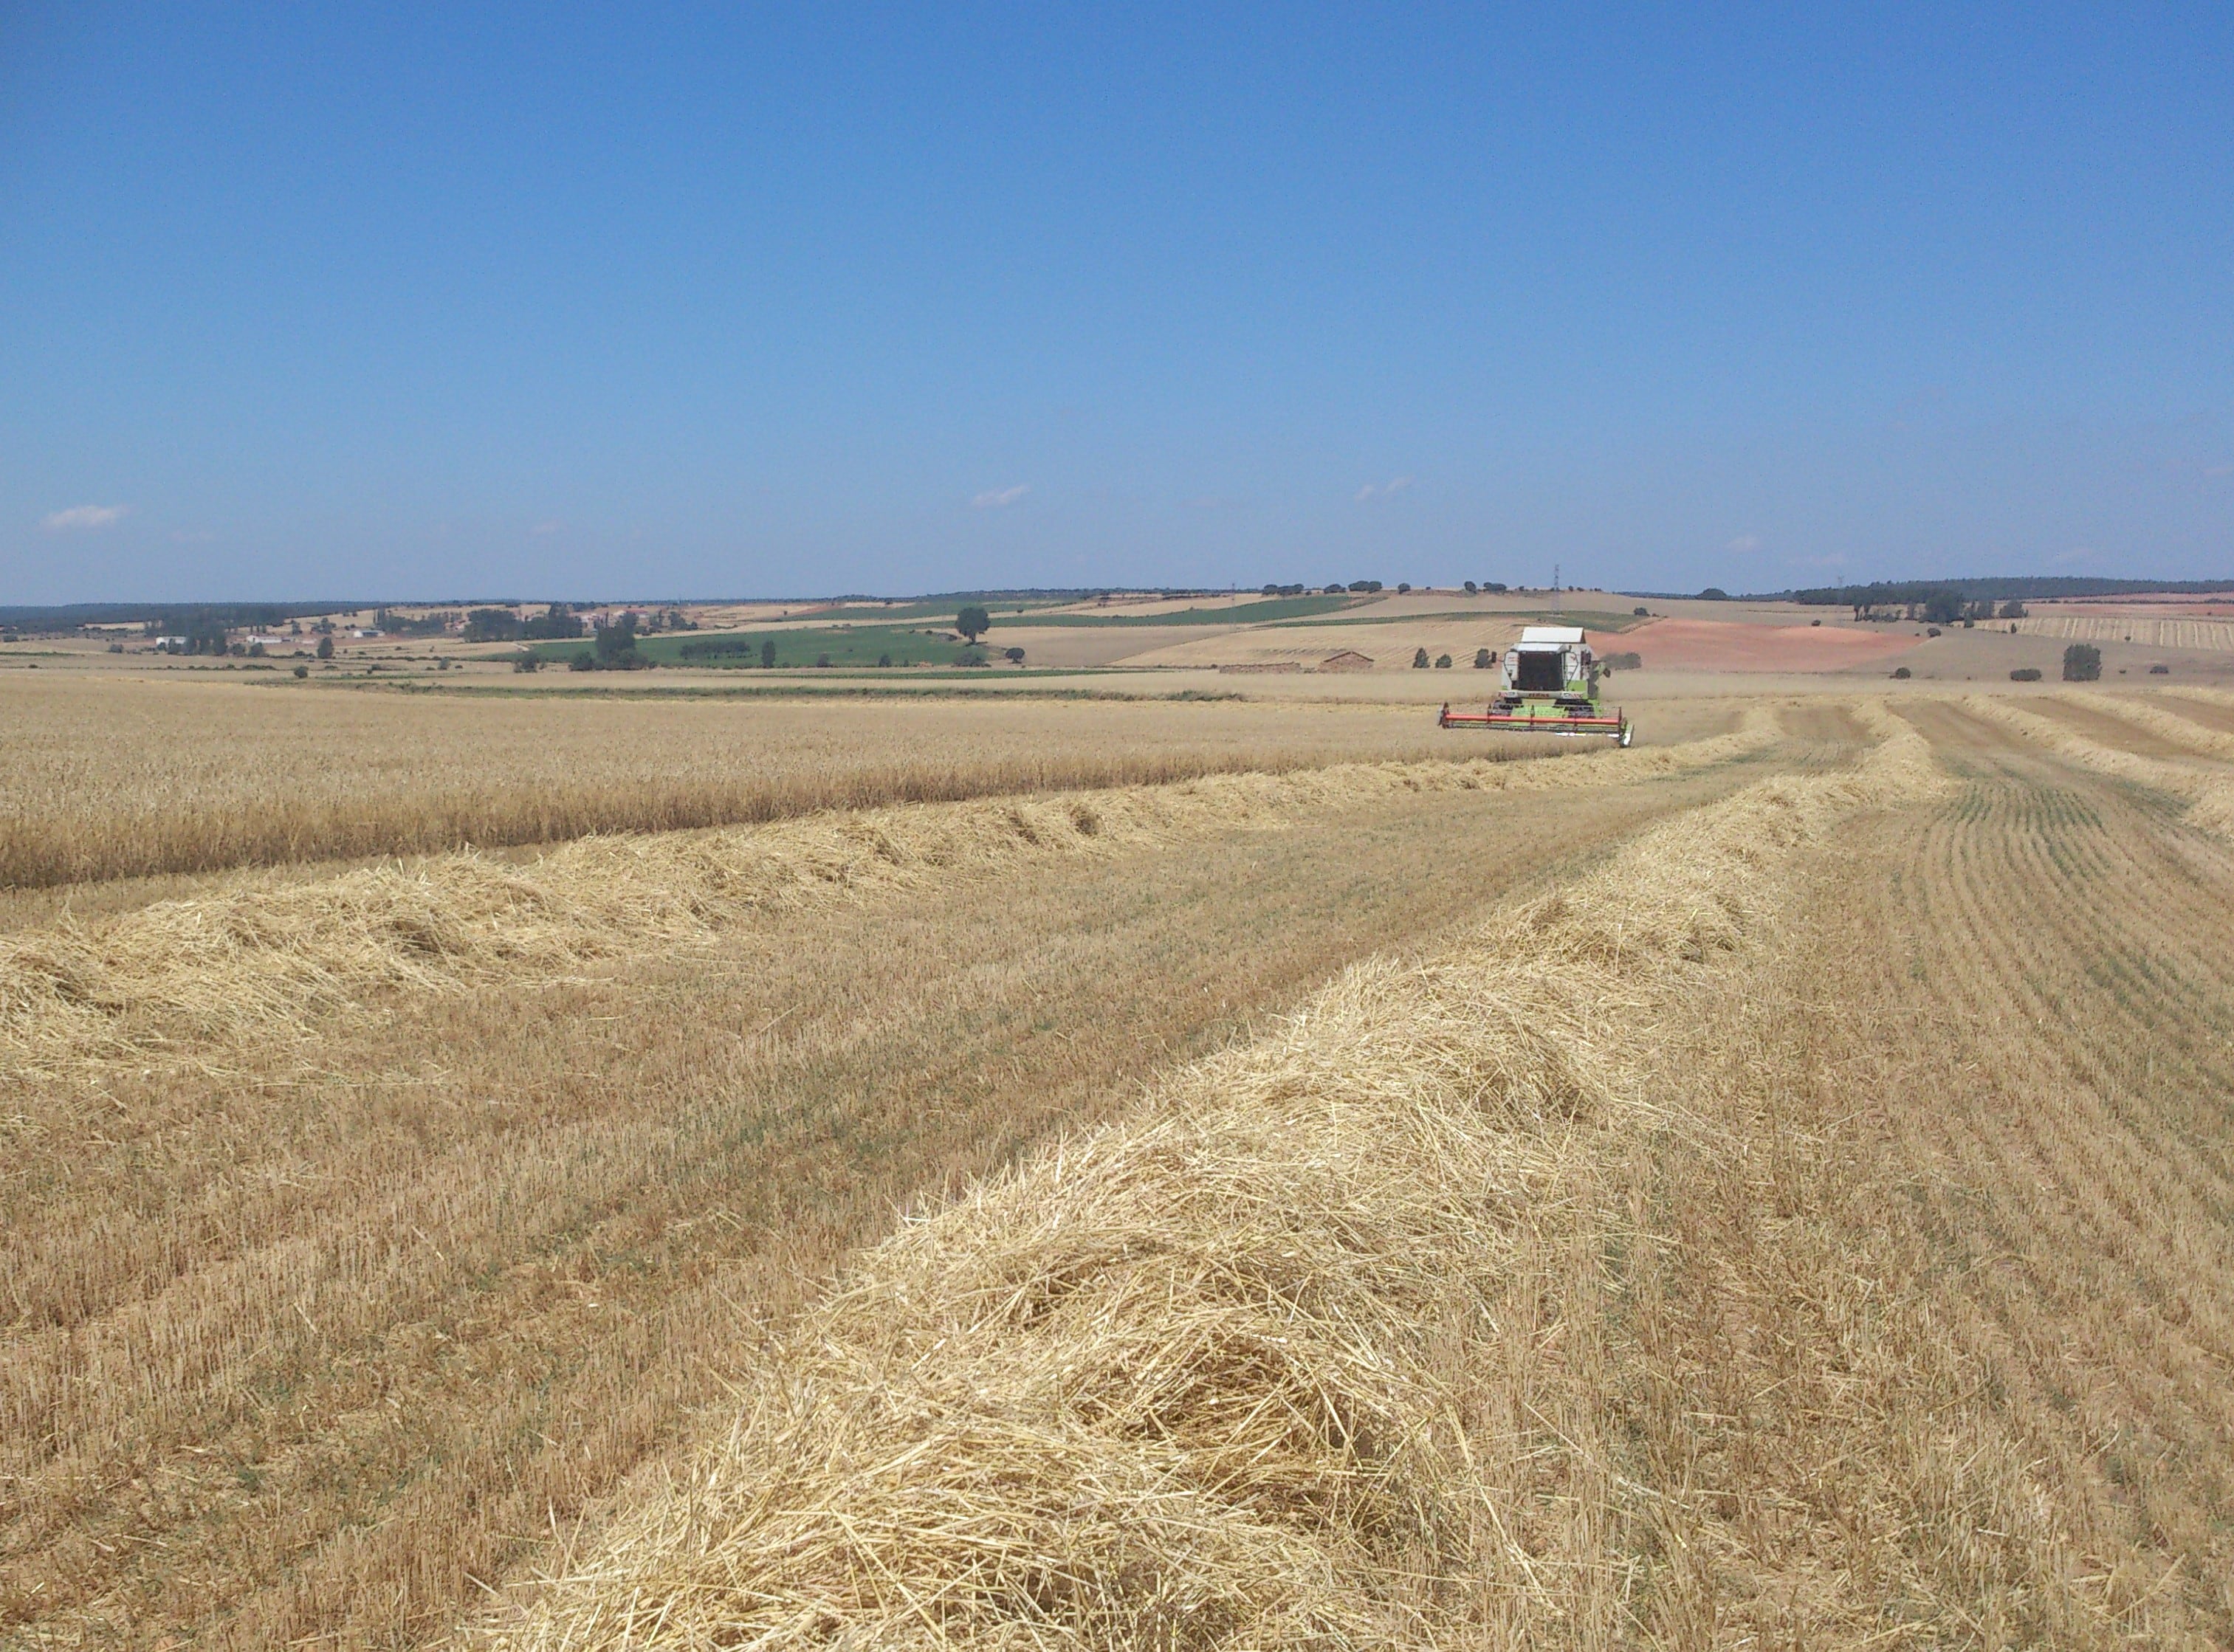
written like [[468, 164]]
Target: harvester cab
[[1549, 686]]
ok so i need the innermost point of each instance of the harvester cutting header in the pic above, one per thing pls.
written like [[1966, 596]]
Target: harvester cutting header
[[1551, 688]]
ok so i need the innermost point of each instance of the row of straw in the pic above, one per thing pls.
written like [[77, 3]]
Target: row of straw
[[1200, 1379], [257, 959], [2207, 788]]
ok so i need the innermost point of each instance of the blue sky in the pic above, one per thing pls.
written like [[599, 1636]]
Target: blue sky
[[677, 301]]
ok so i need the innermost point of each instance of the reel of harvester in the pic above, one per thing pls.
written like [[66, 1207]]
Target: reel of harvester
[[1550, 688]]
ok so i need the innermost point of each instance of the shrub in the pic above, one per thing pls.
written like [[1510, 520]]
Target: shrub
[[883, 659], [1932, 631], [822, 662], [1013, 656], [326, 646], [2082, 663], [1902, 671], [2012, 610], [2025, 673], [1640, 612], [1481, 660], [1442, 662], [583, 662], [1472, 589], [2161, 671], [767, 655], [1402, 586], [1419, 659], [301, 671], [1713, 594], [527, 661]]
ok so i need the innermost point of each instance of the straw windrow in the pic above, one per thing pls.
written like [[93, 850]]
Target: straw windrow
[[1203, 1378], [256, 960], [2209, 790]]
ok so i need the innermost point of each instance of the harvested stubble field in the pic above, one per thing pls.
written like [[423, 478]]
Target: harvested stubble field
[[1768, 1189]]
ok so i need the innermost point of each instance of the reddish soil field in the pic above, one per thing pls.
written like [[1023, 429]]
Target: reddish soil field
[[1720, 645]]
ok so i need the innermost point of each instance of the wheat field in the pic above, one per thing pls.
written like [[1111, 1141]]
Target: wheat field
[[115, 778], [1767, 1190]]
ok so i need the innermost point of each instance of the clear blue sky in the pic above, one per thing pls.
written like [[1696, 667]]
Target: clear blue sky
[[300, 300]]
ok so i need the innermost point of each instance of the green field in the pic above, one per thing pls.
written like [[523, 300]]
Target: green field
[[839, 645]]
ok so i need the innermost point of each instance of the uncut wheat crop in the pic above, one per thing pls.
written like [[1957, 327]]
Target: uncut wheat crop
[[136, 777]]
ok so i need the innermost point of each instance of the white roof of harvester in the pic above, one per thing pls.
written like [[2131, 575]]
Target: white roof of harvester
[[1550, 636]]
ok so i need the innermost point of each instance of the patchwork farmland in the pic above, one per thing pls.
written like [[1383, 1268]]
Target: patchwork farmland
[[627, 1170]]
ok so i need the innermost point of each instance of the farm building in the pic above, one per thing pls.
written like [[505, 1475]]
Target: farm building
[[1348, 659]]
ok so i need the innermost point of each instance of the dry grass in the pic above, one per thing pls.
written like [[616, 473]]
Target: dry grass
[[2180, 771], [252, 962], [134, 777], [1800, 1225], [1212, 1376], [306, 1334]]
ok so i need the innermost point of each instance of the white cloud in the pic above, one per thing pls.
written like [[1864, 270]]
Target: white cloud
[[1371, 491], [999, 499], [1744, 543], [83, 516]]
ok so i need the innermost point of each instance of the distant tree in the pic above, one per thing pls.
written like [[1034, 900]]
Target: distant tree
[[1713, 594], [1013, 655], [2025, 673], [1902, 671], [883, 659], [256, 651], [1402, 586], [326, 646], [616, 645], [1442, 662], [1365, 585], [1481, 660], [1493, 585], [1640, 612], [1335, 589], [2012, 610], [1271, 590], [2082, 663], [301, 671], [973, 622], [556, 623], [492, 625], [1942, 607], [1472, 588], [767, 655], [582, 661], [527, 660], [822, 662], [1419, 659]]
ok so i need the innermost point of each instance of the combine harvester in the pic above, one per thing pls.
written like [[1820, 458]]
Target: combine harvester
[[1551, 688]]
